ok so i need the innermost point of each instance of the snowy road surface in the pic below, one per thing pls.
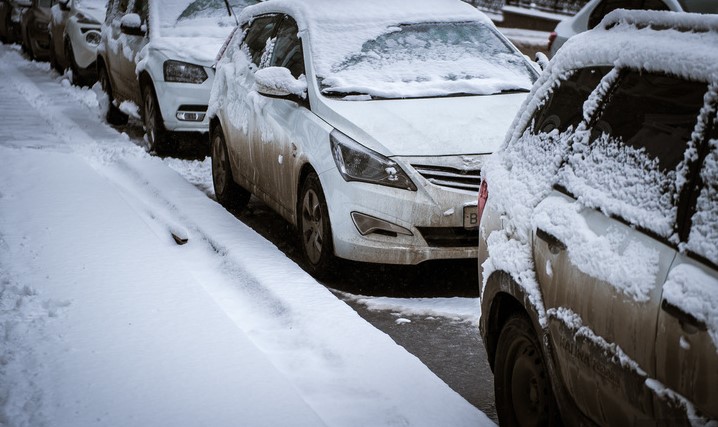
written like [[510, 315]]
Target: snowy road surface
[[105, 320]]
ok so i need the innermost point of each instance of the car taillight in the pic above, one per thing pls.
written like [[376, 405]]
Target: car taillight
[[551, 39], [483, 196]]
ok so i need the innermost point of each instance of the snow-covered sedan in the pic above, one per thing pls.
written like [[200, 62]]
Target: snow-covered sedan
[[74, 36], [599, 232], [365, 122], [158, 55]]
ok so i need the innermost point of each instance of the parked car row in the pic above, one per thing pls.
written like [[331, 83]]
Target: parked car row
[[372, 126]]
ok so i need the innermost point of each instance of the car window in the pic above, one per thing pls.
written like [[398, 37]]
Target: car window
[[607, 6], [564, 107], [423, 59], [703, 237], [288, 48], [260, 31], [140, 7], [627, 166]]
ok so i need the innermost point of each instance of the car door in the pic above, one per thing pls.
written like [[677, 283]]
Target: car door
[[687, 341], [283, 121], [603, 240], [240, 108], [124, 50]]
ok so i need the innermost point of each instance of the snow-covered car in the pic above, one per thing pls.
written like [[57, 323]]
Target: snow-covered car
[[593, 12], [364, 123], [11, 12], [34, 29], [74, 37], [598, 245], [158, 54]]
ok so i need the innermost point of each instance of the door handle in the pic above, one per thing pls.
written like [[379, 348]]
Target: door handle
[[689, 323], [554, 244]]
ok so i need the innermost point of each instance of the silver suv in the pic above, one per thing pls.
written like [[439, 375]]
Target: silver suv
[[599, 231]]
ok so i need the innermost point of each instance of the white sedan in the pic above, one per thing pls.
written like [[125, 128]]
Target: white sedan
[[364, 122]]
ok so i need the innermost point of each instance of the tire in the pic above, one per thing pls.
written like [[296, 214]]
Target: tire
[[522, 386], [157, 136], [77, 80], [53, 58], [229, 194], [114, 115], [315, 230], [27, 46]]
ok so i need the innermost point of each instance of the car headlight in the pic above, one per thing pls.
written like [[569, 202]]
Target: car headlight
[[182, 72], [84, 19], [358, 163], [93, 38]]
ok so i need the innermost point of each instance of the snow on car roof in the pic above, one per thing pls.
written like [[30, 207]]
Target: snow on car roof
[[683, 44]]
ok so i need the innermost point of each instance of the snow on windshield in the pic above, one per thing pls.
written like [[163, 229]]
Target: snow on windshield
[[425, 59]]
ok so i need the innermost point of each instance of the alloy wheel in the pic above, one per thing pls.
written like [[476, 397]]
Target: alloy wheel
[[312, 226]]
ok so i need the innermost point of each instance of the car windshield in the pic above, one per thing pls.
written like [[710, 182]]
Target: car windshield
[[426, 60]]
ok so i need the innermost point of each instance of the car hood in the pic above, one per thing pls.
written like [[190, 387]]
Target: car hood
[[427, 126], [98, 14]]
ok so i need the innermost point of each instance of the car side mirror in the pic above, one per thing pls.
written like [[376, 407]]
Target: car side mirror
[[278, 82], [64, 5], [131, 24]]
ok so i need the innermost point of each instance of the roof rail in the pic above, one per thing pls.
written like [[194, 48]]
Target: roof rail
[[661, 20]]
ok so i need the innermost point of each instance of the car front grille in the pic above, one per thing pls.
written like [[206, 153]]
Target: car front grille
[[442, 176], [444, 237]]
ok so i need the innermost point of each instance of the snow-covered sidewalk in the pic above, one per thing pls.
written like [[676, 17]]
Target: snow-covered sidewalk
[[105, 320]]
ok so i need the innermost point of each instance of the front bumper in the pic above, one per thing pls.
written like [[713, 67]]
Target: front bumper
[[85, 52], [433, 216], [189, 98]]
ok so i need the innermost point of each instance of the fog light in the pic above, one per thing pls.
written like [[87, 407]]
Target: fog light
[[93, 38], [368, 224], [190, 116]]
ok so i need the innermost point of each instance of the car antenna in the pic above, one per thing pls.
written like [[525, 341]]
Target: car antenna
[[231, 12]]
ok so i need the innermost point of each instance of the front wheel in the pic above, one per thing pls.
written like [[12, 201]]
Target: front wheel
[[522, 386], [157, 136], [70, 58], [229, 193], [315, 229]]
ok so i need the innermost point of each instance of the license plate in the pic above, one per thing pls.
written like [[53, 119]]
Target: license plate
[[471, 216]]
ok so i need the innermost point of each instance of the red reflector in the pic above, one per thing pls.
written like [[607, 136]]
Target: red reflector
[[551, 39], [483, 196]]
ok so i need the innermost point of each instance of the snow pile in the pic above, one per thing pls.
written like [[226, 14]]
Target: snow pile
[[280, 79], [464, 309]]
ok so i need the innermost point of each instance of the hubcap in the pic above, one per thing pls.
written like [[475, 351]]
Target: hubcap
[[528, 391], [218, 161], [312, 226]]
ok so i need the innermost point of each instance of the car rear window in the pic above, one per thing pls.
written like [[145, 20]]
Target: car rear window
[[627, 165]]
